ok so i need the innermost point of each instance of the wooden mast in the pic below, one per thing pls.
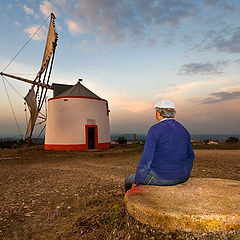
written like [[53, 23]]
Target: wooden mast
[[27, 80]]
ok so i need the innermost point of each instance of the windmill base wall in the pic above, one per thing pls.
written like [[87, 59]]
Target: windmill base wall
[[70, 118], [75, 147]]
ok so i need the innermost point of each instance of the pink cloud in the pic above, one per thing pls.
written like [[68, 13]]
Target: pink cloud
[[135, 106], [46, 8], [17, 23], [87, 46], [121, 101], [39, 36], [28, 10], [73, 27]]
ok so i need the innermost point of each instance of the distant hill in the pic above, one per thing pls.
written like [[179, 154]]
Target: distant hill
[[128, 136], [142, 137]]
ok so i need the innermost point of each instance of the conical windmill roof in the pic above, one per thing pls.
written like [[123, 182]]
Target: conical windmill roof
[[78, 90]]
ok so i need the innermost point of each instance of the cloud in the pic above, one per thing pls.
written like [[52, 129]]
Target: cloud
[[111, 19], [202, 68], [65, 4], [87, 46], [135, 106], [47, 8], [17, 23], [229, 43], [238, 60], [153, 21], [74, 27], [121, 101], [215, 28], [223, 39], [28, 10], [165, 12], [199, 94], [193, 92], [120, 20], [218, 3], [40, 35], [211, 3], [225, 94], [221, 97]]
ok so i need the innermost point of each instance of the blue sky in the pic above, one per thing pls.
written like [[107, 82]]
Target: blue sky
[[132, 53]]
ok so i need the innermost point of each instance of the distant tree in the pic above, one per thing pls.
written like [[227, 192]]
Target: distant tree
[[232, 140], [121, 140], [11, 143]]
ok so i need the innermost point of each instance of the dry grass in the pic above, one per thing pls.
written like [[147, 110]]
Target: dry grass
[[79, 195]]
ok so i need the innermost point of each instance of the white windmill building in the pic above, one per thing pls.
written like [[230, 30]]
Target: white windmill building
[[77, 119]]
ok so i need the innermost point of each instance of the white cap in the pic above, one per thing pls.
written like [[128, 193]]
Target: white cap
[[166, 103]]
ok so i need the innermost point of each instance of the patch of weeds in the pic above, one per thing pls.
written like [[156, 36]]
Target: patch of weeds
[[114, 216]]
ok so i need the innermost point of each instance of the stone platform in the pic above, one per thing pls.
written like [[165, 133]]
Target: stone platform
[[199, 205]]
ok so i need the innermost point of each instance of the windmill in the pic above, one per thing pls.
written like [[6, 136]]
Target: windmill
[[37, 93], [77, 118]]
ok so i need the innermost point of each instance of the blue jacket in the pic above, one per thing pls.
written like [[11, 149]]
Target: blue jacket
[[167, 152]]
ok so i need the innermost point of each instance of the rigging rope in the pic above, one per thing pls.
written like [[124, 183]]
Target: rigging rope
[[42, 115], [25, 44], [13, 87], [40, 134], [42, 90], [12, 108]]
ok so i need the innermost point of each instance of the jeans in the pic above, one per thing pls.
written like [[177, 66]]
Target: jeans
[[152, 180]]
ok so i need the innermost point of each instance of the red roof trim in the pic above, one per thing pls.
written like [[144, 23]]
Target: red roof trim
[[95, 98]]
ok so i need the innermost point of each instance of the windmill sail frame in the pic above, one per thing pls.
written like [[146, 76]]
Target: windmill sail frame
[[42, 83]]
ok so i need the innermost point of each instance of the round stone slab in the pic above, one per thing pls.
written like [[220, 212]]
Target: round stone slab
[[199, 205]]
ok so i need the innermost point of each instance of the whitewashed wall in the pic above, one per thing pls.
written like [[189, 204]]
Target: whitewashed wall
[[67, 117]]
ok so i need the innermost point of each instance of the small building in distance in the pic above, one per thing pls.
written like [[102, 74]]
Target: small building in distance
[[196, 141], [213, 142], [77, 119]]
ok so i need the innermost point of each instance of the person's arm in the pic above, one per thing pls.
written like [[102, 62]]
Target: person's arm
[[146, 159], [190, 153]]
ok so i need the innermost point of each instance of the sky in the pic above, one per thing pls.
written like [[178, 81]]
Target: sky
[[132, 53]]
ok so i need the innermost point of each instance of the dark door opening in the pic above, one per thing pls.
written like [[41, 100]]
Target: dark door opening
[[91, 138]]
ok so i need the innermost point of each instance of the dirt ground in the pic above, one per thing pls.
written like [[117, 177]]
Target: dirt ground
[[79, 195]]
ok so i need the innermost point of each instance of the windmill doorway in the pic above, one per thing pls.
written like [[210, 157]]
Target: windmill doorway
[[91, 132]]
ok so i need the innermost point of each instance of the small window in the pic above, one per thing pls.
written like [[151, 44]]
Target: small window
[[91, 122]]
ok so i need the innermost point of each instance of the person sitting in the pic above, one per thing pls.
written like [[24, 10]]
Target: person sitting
[[167, 158]]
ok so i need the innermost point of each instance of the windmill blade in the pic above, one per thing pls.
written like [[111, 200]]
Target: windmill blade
[[42, 86], [49, 52], [32, 105]]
